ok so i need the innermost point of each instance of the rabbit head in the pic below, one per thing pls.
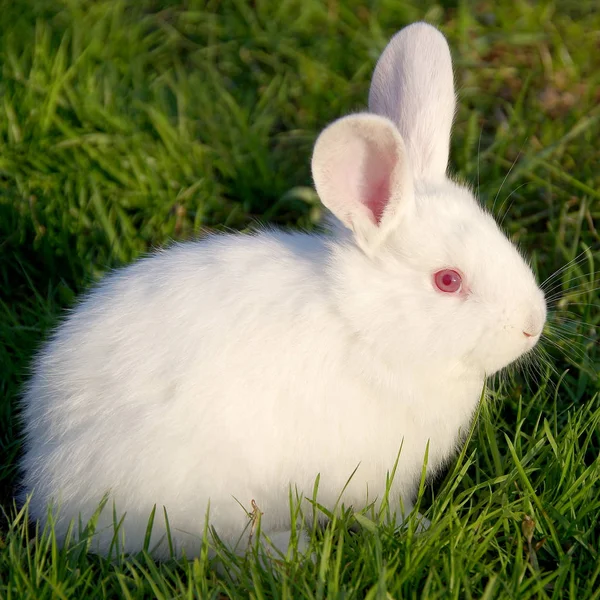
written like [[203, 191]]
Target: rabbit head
[[425, 274]]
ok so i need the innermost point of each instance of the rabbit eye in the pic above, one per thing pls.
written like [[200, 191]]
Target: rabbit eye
[[448, 281]]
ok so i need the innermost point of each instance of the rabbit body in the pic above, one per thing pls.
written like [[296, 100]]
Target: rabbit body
[[168, 385], [222, 371]]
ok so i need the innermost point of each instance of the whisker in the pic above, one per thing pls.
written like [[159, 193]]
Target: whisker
[[506, 177], [545, 357], [573, 345], [558, 328], [579, 258], [576, 304], [567, 317], [581, 288], [567, 334], [572, 293], [572, 328], [574, 350], [511, 203], [532, 365], [557, 284]]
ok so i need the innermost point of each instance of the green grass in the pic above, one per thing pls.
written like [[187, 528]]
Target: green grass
[[124, 124]]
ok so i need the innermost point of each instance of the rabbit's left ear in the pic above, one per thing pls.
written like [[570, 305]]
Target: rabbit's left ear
[[361, 173], [413, 85]]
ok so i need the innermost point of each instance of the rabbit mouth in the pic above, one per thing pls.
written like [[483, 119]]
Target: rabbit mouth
[[502, 351]]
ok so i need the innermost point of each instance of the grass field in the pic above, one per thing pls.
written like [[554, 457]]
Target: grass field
[[127, 123]]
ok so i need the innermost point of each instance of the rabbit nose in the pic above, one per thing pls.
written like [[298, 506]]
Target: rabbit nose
[[534, 324], [532, 330]]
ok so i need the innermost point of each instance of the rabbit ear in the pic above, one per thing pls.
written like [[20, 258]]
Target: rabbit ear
[[361, 173], [413, 86]]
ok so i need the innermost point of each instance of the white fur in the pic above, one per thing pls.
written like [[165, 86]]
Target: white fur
[[234, 367]]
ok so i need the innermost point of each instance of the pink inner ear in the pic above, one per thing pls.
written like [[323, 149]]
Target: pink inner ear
[[378, 168], [377, 198]]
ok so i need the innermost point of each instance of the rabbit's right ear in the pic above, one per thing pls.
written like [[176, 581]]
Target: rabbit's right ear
[[362, 176]]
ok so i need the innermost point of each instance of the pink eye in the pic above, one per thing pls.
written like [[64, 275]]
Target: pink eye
[[448, 281]]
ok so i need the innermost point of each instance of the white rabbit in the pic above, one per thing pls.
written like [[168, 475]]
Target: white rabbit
[[232, 368]]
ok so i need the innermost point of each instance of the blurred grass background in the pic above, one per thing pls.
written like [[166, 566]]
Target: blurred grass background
[[125, 124]]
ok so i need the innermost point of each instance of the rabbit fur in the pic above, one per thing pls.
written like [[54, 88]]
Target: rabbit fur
[[228, 369]]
